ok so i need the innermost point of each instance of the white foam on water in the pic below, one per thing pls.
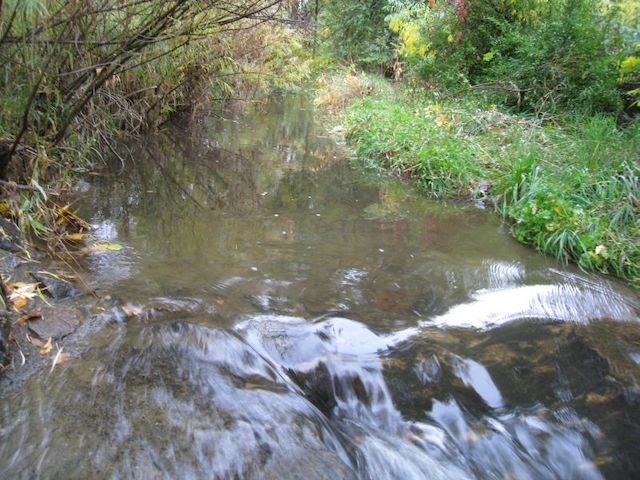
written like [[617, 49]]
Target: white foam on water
[[563, 302]]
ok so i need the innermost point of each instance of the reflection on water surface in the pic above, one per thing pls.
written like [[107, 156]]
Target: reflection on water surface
[[295, 321]]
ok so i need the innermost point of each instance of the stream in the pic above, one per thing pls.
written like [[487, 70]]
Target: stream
[[274, 313]]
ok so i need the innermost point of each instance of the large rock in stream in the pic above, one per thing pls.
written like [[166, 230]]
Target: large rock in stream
[[56, 322]]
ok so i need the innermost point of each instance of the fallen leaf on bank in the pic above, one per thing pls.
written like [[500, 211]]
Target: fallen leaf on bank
[[220, 301], [20, 293], [31, 315], [59, 358], [46, 348], [19, 303], [67, 217], [102, 246], [21, 290]]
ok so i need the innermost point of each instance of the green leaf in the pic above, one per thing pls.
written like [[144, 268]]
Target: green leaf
[[36, 185]]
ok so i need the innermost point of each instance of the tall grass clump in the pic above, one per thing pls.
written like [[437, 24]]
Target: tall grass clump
[[578, 196]]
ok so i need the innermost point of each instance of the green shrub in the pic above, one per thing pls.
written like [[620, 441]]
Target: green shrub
[[563, 63], [547, 56], [356, 32]]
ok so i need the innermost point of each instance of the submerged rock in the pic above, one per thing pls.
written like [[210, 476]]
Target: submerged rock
[[56, 322]]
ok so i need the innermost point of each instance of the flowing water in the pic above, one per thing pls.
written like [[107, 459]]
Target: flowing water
[[272, 314]]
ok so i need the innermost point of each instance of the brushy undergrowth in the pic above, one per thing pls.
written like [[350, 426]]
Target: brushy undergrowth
[[570, 189]]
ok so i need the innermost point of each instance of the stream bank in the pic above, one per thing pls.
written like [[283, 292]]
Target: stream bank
[[568, 186]]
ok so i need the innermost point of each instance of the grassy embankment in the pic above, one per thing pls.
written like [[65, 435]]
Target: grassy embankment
[[568, 186]]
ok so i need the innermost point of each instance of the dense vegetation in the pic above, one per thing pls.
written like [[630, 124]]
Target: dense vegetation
[[571, 190], [540, 56]]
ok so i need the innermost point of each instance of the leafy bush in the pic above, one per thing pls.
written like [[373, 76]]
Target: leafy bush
[[565, 62], [554, 55], [356, 31]]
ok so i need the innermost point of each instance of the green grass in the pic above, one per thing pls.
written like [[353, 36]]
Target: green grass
[[569, 188]]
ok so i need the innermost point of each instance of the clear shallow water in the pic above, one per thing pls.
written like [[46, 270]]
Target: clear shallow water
[[296, 321]]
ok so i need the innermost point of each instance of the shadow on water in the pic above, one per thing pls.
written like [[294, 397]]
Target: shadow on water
[[274, 315]]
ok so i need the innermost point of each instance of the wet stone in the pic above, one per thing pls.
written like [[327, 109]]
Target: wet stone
[[5, 331], [8, 261], [9, 236], [56, 322], [9, 246], [23, 272], [58, 288], [317, 386]]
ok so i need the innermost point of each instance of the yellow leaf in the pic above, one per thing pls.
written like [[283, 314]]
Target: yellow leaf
[[442, 120], [102, 246], [19, 302], [76, 237], [629, 64]]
